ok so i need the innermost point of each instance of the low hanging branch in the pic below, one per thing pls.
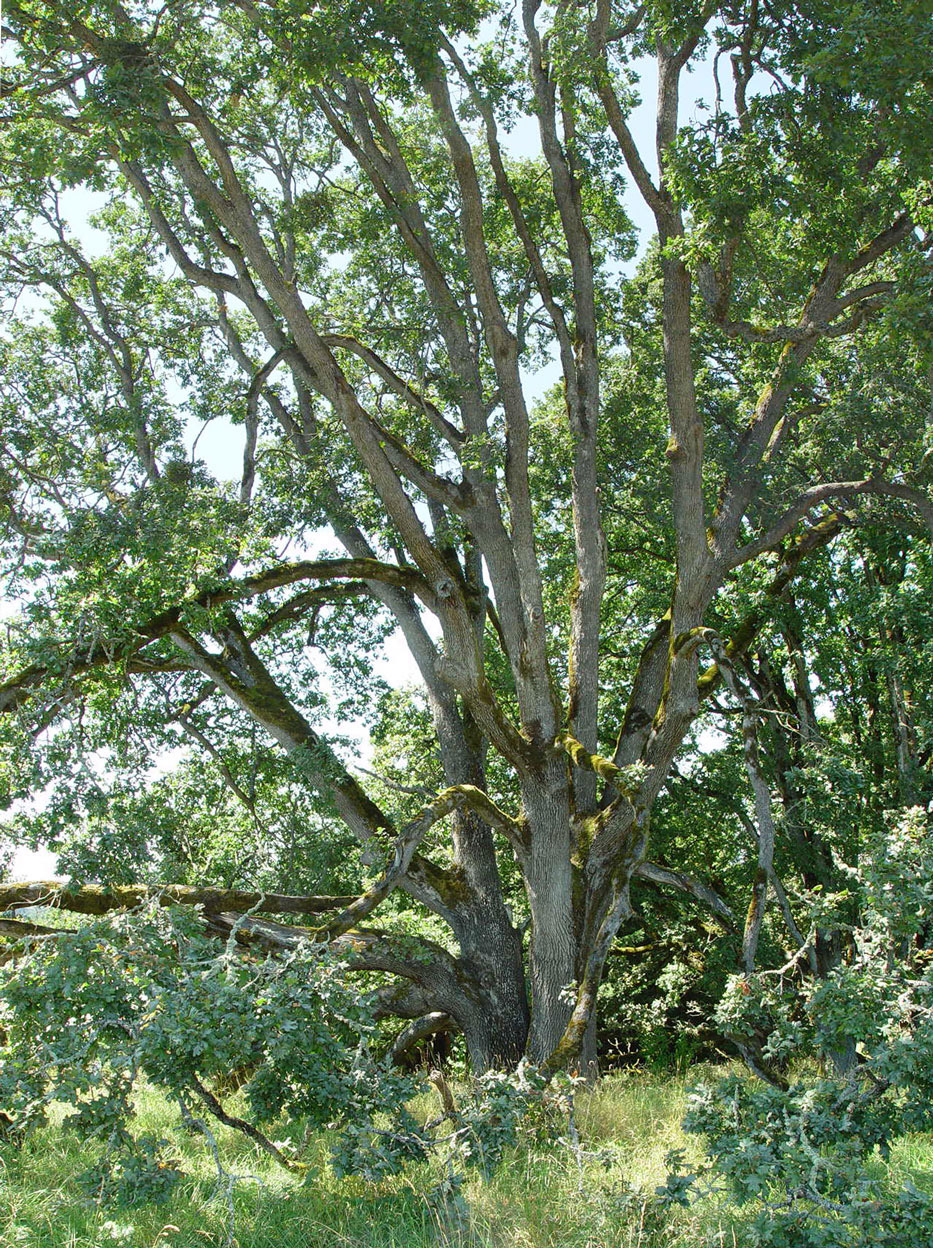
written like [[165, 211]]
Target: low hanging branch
[[19, 927], [419, 1030], [96, 899], [101, 899]]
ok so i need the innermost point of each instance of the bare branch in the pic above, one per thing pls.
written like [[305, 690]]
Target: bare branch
[[448, 431], [408, 841]]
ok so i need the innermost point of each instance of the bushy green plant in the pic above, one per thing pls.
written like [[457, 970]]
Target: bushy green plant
[[87, 1014], [504, 1107], [805, 1151]]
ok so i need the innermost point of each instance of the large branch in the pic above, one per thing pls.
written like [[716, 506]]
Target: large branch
[[601, 35], [508, 194], [582, 389], [101, 899], [824, 492], [365, 434], [229, 203], [382, 161], [239, 673], [434, 972], [640, 739], [412, 834], [361, 125], [236, 912], [15, 691], [665, 877], [420, 1029], [769, 422]]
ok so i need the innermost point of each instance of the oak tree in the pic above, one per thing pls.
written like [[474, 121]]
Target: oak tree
[[352, 232]]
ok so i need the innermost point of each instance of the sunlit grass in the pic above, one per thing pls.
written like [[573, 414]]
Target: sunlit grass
[[545, 1195]]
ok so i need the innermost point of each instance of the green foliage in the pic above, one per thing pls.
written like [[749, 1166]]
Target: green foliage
[[89, 1013], [625, 1128], [804, 1152], [275, 176], [504, 1108]]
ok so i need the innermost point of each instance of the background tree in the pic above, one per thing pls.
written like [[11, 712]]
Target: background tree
[[318, 228]]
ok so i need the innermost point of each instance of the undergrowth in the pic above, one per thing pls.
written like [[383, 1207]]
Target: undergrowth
[[597, 1191], [593, 1194]]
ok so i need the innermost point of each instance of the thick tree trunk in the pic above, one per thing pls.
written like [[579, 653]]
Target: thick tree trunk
[[496, 1019], [549, 880], [495, 1024]]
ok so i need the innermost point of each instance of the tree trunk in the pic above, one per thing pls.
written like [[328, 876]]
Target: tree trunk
[[550, 887]]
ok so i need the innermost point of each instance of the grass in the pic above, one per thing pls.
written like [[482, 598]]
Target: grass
[[543, 1196]]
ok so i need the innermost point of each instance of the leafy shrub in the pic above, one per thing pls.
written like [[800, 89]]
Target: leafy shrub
[[88, 1013], [502, 1108], [806, 1153]]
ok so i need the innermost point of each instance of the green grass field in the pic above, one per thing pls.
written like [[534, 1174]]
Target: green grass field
[[549, 1196]]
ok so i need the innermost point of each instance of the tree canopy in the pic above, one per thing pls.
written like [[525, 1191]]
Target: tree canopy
[[349, 235]]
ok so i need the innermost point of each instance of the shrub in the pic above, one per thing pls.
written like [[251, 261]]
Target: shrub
[[89, 1013], [807, 1152]]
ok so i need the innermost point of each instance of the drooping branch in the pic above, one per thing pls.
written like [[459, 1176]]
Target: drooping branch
[[240, 674], [20, 928], [240, 1124], [238, 914], [433, 973]]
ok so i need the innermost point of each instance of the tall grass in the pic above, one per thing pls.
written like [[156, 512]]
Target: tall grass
[[595, 1194]]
